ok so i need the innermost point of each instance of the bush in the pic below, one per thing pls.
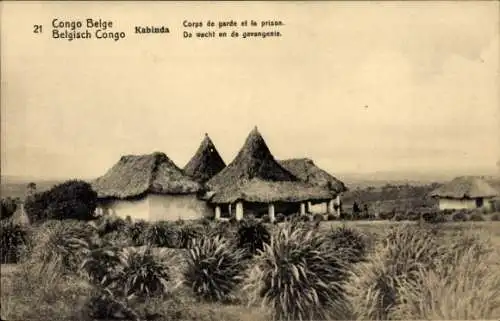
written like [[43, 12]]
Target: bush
[[70, 200], [137, 232], [280, 218], [349, 243], [252, 235], [141, 273], [460, 217], [495, 217], [110, 223], [49, 295], [412, 216], [187, 233], [331, 217], [319, 218], [223, 229], [298, 276], [434, 217], [476, 217], [8, 207], [375, 286], [100, 264], [306, 218], [162, 234], [213, 268], [386, 215], [13, 239], [63, 243], [465, 287], [266, 218], [399, 217]]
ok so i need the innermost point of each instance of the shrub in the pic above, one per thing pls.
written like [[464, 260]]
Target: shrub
[[63, 243], [213, 268], [137, 232], [298, 276], [331, 217], [375, 285], [434, 217], [319, 217], [412, 216], [73, 199], [110, 223], [280, 218], [465, 288], [187, 233], [349, 243], [43, 294], [266, 218], [13, 238], [233, 221], [306, 218], [476, 217], [223, 229], [101, 263], [398, 216], [252, 235], [8, 207], [460, 217], [162, 234], [141, 273], [495, 217]]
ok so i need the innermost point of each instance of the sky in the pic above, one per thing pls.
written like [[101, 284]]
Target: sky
[[357, 87]]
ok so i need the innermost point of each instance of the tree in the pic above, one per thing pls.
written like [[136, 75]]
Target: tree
[[355, 209], [72, 199], [8, 207]]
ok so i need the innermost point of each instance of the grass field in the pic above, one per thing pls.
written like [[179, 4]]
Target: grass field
[[58, 300]]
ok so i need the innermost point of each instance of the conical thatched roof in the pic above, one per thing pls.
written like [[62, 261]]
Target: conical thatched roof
[[308, 172], [135, 175], [465, 187], [206, 163], [255, 176]]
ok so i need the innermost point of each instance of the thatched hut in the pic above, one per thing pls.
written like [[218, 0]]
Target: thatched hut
[[149, 187], [255, 182], [465, 192], [206, 162], [308, 172]]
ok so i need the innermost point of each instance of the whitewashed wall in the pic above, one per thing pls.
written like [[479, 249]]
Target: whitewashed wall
[[158, 208], [173, 207], [458, 204]]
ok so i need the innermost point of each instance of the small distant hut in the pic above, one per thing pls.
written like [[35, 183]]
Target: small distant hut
[[308, 172], [206, 162], [255, 183], [149, 187], [465, 192]]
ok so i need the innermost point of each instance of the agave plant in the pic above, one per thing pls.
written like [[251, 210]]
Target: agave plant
[[213, 268], [140, 273], [252, 235], [404, 252], [137, 232], [101, 265], [187, 233], [298, 277], [162, 234], [348, 242], [110, 223], [65, 243]]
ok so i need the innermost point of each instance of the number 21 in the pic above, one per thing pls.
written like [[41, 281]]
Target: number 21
[[37, 28]]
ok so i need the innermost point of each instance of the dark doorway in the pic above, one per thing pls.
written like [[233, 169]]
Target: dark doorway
[[479, 202]]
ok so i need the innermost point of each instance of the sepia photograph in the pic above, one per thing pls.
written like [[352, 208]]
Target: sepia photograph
[[249, 161]]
